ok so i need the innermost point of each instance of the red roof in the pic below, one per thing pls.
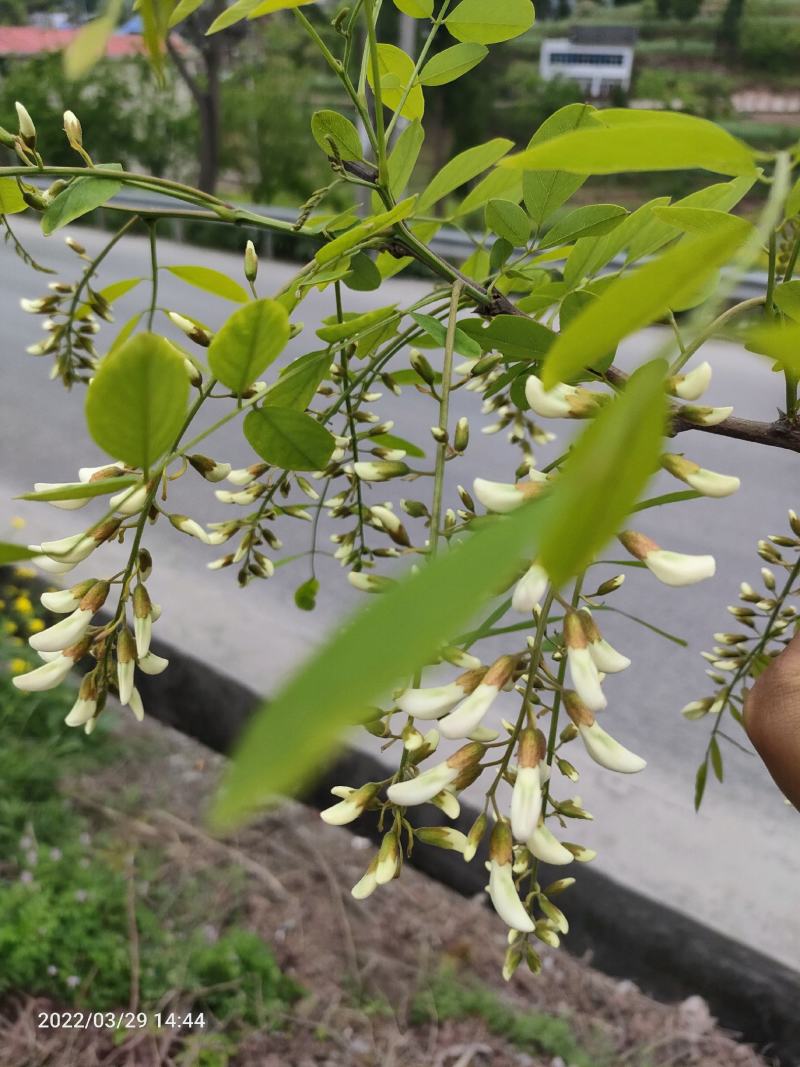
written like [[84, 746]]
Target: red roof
[[33, 40]]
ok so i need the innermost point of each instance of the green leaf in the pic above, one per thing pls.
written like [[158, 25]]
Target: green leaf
[[793, 201], [136, 404], [183, 10], [126, 332], [249, 341], [155, 21], [594, 220], [385, 643], [327, 126], [605, 473], [508, 220], [109, 294], [15, 553], [80, 197], [297, 384], [397, 70], [694, 219], [211, 281], [353, 324], [391, 440], [85, 490], [498, 184], [416, 9], [288, 438], [637, 299], [235, 13], [787, 298], [700, 784], [490, 23], [363, 275], [437, 331], [546, 191], [11, 201], [450, 64], [680, 143], [341, 245], [269, 7], [88, 46], [404, 156], [516, 337], [591, 254], [462, 169], [781, 343]]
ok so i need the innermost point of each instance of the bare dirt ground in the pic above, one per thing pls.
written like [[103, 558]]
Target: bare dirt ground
[[364, 966]]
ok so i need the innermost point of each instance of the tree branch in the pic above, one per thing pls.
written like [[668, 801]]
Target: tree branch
[[782, 433]]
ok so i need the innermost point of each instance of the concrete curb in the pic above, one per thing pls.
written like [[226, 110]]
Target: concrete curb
[[667, 953]]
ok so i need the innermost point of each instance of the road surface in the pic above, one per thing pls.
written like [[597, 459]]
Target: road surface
[[736, 865]]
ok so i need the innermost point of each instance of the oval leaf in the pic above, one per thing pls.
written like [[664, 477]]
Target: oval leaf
[[212, 281], [136, 404], [397, 70], [415, 9], [11, 201], [681, 143], [490, 21], [450, 64], [79, 198], [462, 169], [636, 300], [248, 342], [508, 220], [288, 439], [590, 221], [327, 126]]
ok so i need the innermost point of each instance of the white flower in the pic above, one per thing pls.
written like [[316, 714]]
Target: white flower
[[131, 500], [562, 401], [71, 629], [442, 837], [353, 806], [691, 386], [388, 860], [447, 802], [126, 665], [469, 714], [85, 707], [671, 568], [502, 890], [707, 482], [108, 470], [189, 527], [427, 785], [380, 470], [153, 664], [526, 796], [62, 634], [600, 745], [65, 505], [705, 416], [435, 701], [245, 475], [367, 884], [50, 566], [582, 667], [503, 497], [605, 656], [73, 549], [142, 620], [210, 469], [545, 846], [530, 589], [48, 676], [64, 601], [135, 704]]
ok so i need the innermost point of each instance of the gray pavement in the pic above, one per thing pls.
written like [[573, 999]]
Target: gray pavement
[[736, 865]]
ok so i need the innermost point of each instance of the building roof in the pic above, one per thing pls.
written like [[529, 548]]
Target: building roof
[[603, 35], [34, 40]]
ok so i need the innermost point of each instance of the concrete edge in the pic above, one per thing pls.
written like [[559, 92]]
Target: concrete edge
[[667, 953]]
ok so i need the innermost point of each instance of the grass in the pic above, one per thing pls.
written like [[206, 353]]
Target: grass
[[450, 995], [89, 919]]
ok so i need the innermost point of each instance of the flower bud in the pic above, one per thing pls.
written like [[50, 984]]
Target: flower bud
[[142, 620], [367, 884], [433, 702], [422, 367], [209, 468], [250, 262], [562, 401], [424, 787], [526, 797], [27, 130], [461, 436], [475, 836], [388, 859], [353, 806], [707, 482], [380, 471], [704, 416], [605, 656], [126, 664], [602, 748], [470, 713], [442, 837], [193, 330], [72, 128], [582, 667], [85, 707], [545, 846], [503, 497], [530, 589], [189, 527]]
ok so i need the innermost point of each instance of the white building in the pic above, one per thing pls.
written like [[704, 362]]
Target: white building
[[598, 58]]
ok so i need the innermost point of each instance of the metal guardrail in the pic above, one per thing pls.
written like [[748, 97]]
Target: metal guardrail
[[448, 242]]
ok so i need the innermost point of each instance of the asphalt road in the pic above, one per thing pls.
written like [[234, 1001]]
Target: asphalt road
[[736, 865]]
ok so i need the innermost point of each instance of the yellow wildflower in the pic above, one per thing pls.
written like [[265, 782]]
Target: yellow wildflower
[[35, 626]]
